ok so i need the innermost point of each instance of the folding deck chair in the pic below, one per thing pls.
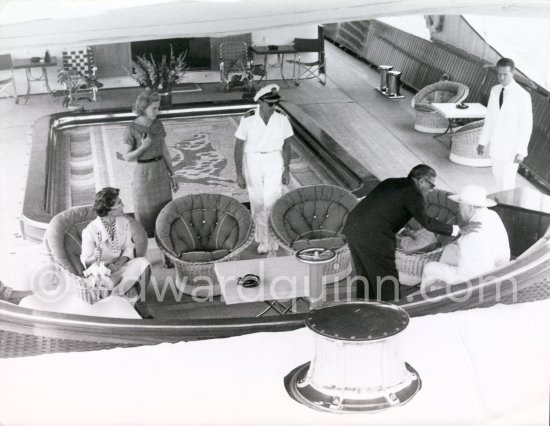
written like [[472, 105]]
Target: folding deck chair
[[81, 60], [6, 77], [237, 67], [304, 70]]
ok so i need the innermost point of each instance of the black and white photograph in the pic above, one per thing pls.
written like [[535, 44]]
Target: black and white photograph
[[255, 212]]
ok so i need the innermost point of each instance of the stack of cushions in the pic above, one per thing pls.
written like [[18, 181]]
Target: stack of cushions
[[410, 260], [314, 216], [197, 230], [416, 240]]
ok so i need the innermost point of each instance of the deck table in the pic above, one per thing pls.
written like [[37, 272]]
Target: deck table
[[282, 278]]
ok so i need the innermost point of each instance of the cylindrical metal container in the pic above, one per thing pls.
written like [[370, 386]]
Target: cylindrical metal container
[[357, 364], [394, 83], [384, 76], [315, 258]]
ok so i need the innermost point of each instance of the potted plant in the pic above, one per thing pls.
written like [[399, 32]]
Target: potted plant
[[72, 81], [160, 76]]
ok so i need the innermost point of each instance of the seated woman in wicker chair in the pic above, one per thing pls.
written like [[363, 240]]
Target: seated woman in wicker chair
[[428, 120], [61, 285], [197, 230], [107, 241]]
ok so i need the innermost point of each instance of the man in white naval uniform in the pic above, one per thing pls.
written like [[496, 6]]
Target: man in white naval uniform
[[262, 159], [508, 126], [475, 253]]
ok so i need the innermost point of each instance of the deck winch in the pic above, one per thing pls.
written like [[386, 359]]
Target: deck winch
[[357, 365]]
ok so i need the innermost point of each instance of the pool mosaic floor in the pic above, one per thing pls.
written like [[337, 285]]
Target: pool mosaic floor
[[202, 156]]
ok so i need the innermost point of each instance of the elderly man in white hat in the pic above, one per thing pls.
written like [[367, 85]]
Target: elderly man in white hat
[[262, 159], [472, 254]]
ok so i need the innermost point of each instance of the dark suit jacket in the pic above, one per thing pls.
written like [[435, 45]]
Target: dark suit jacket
[[384, 211]]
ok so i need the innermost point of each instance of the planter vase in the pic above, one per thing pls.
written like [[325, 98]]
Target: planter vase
[[75, 107], [165, 99]]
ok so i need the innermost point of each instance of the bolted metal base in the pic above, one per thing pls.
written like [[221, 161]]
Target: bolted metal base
[[389, 95], [349, 400]]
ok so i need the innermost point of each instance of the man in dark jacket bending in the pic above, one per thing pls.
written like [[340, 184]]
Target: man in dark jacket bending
[[371, 227]]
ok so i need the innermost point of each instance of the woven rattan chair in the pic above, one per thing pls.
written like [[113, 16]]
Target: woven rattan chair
[[197, 230], [314, 216], [410, 265], [428, 120], [63, 242], [464, 143]]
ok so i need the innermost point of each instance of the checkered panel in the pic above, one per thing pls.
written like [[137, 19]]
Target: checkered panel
[[81, 60]]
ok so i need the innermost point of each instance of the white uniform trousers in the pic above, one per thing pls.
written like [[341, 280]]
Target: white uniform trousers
[[504, 173], [263, 173]]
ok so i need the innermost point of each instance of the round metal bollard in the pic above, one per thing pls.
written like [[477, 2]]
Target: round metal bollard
[[315, 257], [357, 366], [384, 77], [394, 83]]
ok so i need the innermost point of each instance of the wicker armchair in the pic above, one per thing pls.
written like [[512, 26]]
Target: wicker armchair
[[410, 265], [464, 143], [197, 230], [63, 242], [314, 216], [428, 120]]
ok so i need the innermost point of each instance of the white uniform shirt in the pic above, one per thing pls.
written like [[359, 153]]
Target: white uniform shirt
[[259, 137], [507, 130], [96, 234], [482, 251]]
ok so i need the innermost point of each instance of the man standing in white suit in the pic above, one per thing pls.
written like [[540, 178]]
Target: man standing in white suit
[[508, 126]]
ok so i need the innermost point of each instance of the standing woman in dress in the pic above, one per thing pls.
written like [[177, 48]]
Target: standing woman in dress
[[154, 178]]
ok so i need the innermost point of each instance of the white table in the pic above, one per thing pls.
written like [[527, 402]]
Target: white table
[[452, 113], [281, 278]]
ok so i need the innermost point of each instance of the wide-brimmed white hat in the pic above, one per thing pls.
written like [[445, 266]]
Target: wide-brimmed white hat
[[474, 195], [268, 92]]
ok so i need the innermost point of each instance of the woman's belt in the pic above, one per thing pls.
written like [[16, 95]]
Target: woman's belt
[[150, 160], [263, 152]]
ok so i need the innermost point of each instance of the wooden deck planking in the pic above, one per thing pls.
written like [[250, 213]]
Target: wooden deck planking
[[361, 134]]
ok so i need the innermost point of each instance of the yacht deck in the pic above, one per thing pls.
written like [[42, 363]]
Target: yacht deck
[[375, 130]]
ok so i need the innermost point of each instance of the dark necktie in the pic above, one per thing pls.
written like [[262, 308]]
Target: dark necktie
[[501, 98]]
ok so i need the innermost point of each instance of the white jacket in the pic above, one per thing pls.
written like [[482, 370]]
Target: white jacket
[[507, 130], [95, 235], [480, 252]]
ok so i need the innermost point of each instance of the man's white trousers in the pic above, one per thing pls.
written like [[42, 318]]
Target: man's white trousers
[[504, 173], [263, 173]]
